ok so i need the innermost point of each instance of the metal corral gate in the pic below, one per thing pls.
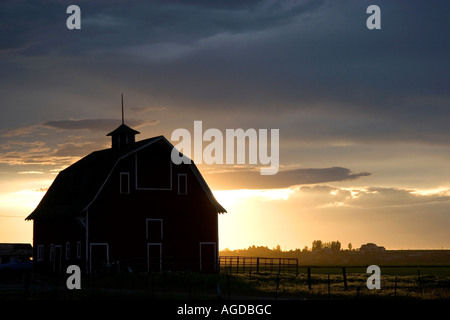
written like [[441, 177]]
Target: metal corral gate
[[258, 264]]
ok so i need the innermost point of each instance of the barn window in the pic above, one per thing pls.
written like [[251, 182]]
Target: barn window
[[52, 252], [40, 252], [154, 230], [153, 170], [154, 257], [98, 256], [78, 249], [208, 256], [124, 183], [67, 250], [182, 184]]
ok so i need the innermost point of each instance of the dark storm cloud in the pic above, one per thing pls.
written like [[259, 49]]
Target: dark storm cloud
[[103, 125], [33, 26], [94, 124], [395, 198], [378, 197], [243, 179], [313, 64]]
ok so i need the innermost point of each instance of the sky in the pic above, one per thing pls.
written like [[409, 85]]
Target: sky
[[363, 115]]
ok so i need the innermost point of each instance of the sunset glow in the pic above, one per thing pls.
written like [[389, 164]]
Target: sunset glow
[[362, 116]]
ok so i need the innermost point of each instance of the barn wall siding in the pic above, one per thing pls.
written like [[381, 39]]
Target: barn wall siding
[[56, 233], [120, 219], [118, 214]]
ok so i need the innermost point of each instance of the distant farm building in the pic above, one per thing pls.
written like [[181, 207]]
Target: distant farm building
[[12, 251], [127, 208], [371, 247]]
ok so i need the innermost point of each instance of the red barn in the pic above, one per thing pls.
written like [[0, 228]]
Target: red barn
[[128, 207]]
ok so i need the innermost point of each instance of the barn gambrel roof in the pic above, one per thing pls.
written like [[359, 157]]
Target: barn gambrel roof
[[76, 187]]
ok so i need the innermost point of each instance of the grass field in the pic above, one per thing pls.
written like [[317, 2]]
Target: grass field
[[323, 283]]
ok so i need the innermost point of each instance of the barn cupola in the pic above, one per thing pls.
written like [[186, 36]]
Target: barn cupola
[[123, 135]]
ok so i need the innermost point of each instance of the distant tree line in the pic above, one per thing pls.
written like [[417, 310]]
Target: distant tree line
[[318, 246], [332, 253]]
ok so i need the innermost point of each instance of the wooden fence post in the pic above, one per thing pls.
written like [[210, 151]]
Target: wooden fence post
[[395, 286], [219, 291], [345, 278], [329, 287], [420, 280], [257, 265], [278, 286], [229, 284], [309, 278]]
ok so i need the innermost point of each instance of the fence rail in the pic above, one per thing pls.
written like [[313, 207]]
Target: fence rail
[[328, 278], [235, 264]]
